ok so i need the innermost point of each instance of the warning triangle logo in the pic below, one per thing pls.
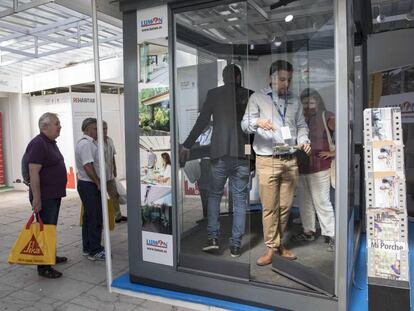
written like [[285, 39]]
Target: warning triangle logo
[[32, 248]]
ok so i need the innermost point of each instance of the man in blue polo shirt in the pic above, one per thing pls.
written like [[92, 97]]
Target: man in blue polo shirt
[[48, 178]]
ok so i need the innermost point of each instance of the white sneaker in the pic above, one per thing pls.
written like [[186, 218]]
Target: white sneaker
[[100, 256]]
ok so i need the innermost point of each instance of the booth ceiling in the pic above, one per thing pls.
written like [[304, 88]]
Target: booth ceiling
[[42, 35], [263, 21], [391, 15]]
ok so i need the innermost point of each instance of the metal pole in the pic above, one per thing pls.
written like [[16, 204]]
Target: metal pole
[[342, 152], [102, 172]]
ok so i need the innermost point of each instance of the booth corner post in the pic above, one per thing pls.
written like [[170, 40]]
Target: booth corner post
[[102, 172]]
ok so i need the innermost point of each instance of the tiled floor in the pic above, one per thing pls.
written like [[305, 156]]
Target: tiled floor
[[82, 286]]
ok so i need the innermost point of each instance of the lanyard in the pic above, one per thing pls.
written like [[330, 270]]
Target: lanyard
[[282, 116]]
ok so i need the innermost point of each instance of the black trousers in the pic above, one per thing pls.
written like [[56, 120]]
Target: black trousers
[[92, 217], [49, 215]]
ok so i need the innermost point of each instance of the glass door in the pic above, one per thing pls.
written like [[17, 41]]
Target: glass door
[[291, 68], [214, 153]]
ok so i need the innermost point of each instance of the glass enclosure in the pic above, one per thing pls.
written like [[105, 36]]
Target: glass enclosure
[[254, 103]]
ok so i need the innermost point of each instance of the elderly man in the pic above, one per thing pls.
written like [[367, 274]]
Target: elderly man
[[110, 169], [276, 118], [47, 173], [89, 189]]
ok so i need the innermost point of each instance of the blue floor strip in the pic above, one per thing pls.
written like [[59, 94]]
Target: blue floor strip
[[359, 293], [123, 282]]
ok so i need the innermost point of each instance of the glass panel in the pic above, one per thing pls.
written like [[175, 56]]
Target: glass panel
[[214, 175], [292, 71]]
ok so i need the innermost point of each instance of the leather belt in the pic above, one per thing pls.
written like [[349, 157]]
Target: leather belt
[[285, 156]]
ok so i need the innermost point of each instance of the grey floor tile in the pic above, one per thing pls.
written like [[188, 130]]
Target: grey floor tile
[[92, 272], [6, 290], [71, 307], [25, 296], [45, 304], [20, 277], [14, 303], [64, 289]]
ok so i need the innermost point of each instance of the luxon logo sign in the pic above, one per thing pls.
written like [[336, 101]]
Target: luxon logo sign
[[151, 24], [32, 248], [157, 243]]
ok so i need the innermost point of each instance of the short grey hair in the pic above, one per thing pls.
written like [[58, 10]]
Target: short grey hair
[[46, 119], [87, 122]]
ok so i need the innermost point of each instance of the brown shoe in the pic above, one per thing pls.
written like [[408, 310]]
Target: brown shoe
[[285, 253], [266, 258]]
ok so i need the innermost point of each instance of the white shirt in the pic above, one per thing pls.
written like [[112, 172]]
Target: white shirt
[[86, 151], [166, 172], [109, 150], [262, 106]]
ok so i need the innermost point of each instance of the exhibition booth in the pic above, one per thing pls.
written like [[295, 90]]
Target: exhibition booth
[[176, 54]]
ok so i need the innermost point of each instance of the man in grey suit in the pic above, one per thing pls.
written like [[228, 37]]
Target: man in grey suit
[[226, 104]]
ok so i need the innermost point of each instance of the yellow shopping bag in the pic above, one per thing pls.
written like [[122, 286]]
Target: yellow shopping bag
[[36, 244], [111, 215]]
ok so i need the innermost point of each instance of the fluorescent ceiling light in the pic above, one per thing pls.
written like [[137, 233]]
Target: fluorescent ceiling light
[[380, 18], [232, 19], [224, 13], [217, 34], [277, 43], [289, 18]]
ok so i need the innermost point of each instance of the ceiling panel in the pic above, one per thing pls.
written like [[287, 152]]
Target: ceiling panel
[[46, 36]]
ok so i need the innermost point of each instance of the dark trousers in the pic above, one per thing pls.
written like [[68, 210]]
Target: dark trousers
[[204, 184], [92, 217], [49, 215]]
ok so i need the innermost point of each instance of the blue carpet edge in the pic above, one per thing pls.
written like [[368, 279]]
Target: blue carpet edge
[[123, 282]]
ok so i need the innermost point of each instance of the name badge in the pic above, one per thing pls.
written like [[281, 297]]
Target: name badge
[[286, 132]]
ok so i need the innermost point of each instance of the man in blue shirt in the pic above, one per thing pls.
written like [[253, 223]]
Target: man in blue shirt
[[276, 118]]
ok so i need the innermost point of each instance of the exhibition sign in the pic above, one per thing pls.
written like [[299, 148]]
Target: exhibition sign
[[152, 23]]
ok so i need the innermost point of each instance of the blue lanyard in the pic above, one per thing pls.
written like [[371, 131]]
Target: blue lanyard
[[282, 116]]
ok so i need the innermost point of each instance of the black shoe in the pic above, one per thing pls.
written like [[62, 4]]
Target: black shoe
[[49, 273], [331, 244], [123, 218], [61, 259], [235, 251], [212, 244], [304, 236]]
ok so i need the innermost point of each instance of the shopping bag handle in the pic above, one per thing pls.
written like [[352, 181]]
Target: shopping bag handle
[[31, 219]]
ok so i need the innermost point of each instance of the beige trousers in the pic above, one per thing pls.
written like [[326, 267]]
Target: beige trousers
[[277, 183], [114, 196]]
